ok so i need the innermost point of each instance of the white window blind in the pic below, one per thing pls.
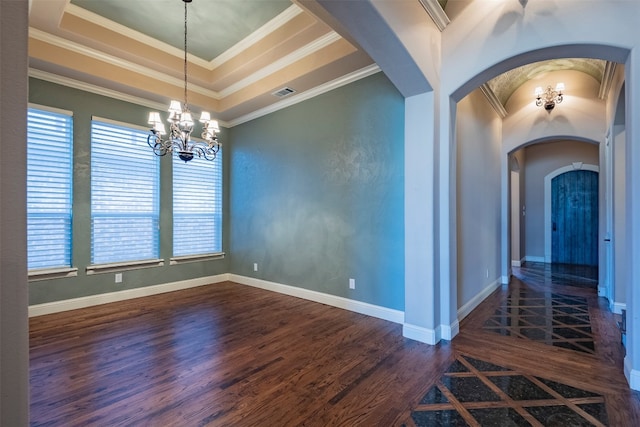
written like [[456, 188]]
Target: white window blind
[[197, 206], [49, 178], [124, 195]]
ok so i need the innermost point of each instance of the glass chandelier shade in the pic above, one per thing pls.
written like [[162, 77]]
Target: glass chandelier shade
[[181, 125]]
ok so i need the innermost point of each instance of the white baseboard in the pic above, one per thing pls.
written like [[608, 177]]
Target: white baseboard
[[534, 258], [516, 263], [447, 332], [633, 375], [418, 333], [617, 307], [475, 301], [504, 280], [384, 313], [91, 300]]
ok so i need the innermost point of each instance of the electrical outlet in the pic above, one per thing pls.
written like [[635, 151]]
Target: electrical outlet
[[352, 283], [118, 277], [255, 266]]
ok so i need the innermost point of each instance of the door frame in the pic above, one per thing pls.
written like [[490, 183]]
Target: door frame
[[547, 200]]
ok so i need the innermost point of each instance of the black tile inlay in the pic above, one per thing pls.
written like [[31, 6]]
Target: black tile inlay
[[483, 366], [566, 390], [557, 320], [597, 411], [457, 366], [469, 388], [499, 417], [519, 387], [434, 395], [558, 416], [438, 418]]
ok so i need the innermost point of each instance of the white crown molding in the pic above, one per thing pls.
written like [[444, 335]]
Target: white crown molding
[[118, 62], [493, 100], [607, 79], [98, 90], [436, 13], [283, 62], [308, 94], [253, 38]]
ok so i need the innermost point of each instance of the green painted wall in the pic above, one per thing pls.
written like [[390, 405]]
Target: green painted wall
[[317, 194], [84, 105]]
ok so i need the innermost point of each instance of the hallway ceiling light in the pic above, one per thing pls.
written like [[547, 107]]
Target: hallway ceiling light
[[549, 97], [181, 125]]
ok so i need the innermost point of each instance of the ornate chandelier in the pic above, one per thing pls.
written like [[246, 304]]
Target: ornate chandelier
[[550, 97], [181, 125]]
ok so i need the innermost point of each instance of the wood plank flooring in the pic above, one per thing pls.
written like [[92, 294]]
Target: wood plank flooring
[[232, 355]]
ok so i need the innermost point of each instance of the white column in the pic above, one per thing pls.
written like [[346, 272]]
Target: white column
[[632, 84], [14, 326], [447, 222], [419, 169]]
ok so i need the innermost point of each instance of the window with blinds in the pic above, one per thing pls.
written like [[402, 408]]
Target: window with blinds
[[197, 206], [125, 206], [49, 179]]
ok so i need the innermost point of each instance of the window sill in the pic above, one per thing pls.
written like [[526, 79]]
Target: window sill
[[52, 273], [119, 266], [195, 258]]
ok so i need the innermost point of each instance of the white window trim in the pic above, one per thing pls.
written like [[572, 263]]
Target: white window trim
[[195, 258], [120, 266], [52, 273]]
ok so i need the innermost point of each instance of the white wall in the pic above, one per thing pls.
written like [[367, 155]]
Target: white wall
[[478, 133], [543, 159]]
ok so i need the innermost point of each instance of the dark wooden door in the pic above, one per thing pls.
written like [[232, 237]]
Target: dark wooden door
[[574, 218]]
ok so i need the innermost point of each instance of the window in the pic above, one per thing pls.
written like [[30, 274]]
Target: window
[[197, 206], [49, 177], [124, 194]]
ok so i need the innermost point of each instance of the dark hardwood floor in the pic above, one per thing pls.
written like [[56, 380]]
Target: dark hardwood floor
[[232, 355]]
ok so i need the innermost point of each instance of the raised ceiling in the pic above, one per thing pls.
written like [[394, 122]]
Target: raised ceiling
[[241, 52]]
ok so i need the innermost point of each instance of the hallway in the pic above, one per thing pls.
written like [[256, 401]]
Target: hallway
[[545, 352]]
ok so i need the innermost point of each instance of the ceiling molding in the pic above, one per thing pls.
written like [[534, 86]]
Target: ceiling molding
[[282, 63], [210, 65], [308, 94], [253, 38], [118, 62], [493, 100], [607, 79], [98, 90], [436, 13], [110, 25]]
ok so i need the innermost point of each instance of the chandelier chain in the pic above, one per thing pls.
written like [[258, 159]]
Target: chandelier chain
[[185, 56]]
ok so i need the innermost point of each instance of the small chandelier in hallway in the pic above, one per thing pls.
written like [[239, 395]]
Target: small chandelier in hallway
[[549, 97], [181, 125]]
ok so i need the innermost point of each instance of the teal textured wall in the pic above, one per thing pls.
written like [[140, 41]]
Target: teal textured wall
[[84, 105], [317, 194]]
